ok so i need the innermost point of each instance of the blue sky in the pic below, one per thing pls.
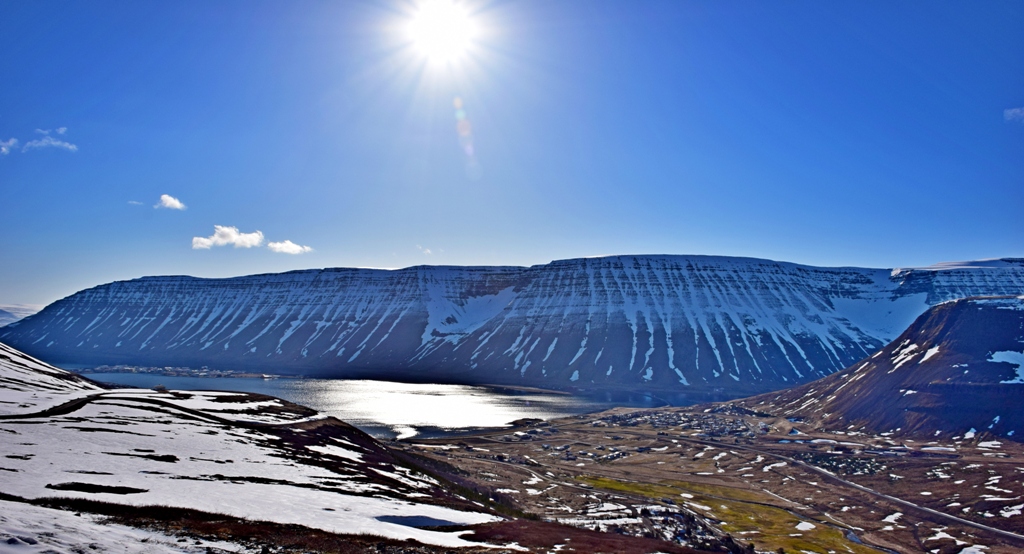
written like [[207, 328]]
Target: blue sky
[[871, 133]]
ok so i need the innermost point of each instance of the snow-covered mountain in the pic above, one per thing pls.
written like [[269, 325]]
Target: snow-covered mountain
[[685, 323], [958, 370]]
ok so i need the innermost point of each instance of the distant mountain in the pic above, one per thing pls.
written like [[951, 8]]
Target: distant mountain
[[7, 317], [695, 324], [9, 313], [959, 367]]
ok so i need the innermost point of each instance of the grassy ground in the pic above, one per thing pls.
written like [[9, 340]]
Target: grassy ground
[[747, 515]]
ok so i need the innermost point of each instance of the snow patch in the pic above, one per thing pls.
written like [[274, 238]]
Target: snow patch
[[893, 518], [451, 319], [1014, 358], [929, 353]]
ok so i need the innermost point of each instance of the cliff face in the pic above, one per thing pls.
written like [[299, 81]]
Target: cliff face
[[688, 323], [958, 367]]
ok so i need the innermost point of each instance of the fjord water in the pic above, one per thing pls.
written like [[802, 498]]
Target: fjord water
[[390, 410]]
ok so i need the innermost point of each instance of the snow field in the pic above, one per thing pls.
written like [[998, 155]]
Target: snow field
[[162, 448]]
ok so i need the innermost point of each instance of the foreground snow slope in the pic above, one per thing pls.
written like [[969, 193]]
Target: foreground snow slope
[[689, 323], [237, 454], [26, 529], [22, 373]]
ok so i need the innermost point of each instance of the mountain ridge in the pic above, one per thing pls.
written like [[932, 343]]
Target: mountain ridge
[[666, 322]]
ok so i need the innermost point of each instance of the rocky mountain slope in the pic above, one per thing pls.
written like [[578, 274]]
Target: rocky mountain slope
[[682, 323], [958, 370]]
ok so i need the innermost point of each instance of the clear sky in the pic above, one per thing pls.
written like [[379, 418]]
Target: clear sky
[[870, 133]]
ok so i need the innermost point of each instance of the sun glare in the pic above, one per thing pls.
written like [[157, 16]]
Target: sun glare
[[441, 30]]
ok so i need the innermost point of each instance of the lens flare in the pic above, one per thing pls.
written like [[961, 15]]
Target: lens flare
[[464, 129], [442, 30]]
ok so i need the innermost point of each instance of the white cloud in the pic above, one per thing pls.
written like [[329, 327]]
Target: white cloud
[[426, 251], [135, 202], [170, 202], [288, 247], [48, 142], [223, 235], [1014, 114]]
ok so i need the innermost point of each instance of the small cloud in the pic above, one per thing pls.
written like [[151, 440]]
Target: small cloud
[[425, 251], [1014, 114], [43, 131], [288, 247], [61, 130], [135, 202], [223, 235], [7, 145], [48, 142], [170, 202]]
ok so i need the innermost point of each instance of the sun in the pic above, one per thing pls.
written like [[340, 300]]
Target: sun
[[441, 30]]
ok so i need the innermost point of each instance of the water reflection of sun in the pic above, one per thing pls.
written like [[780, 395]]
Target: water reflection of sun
[[442, 31]]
